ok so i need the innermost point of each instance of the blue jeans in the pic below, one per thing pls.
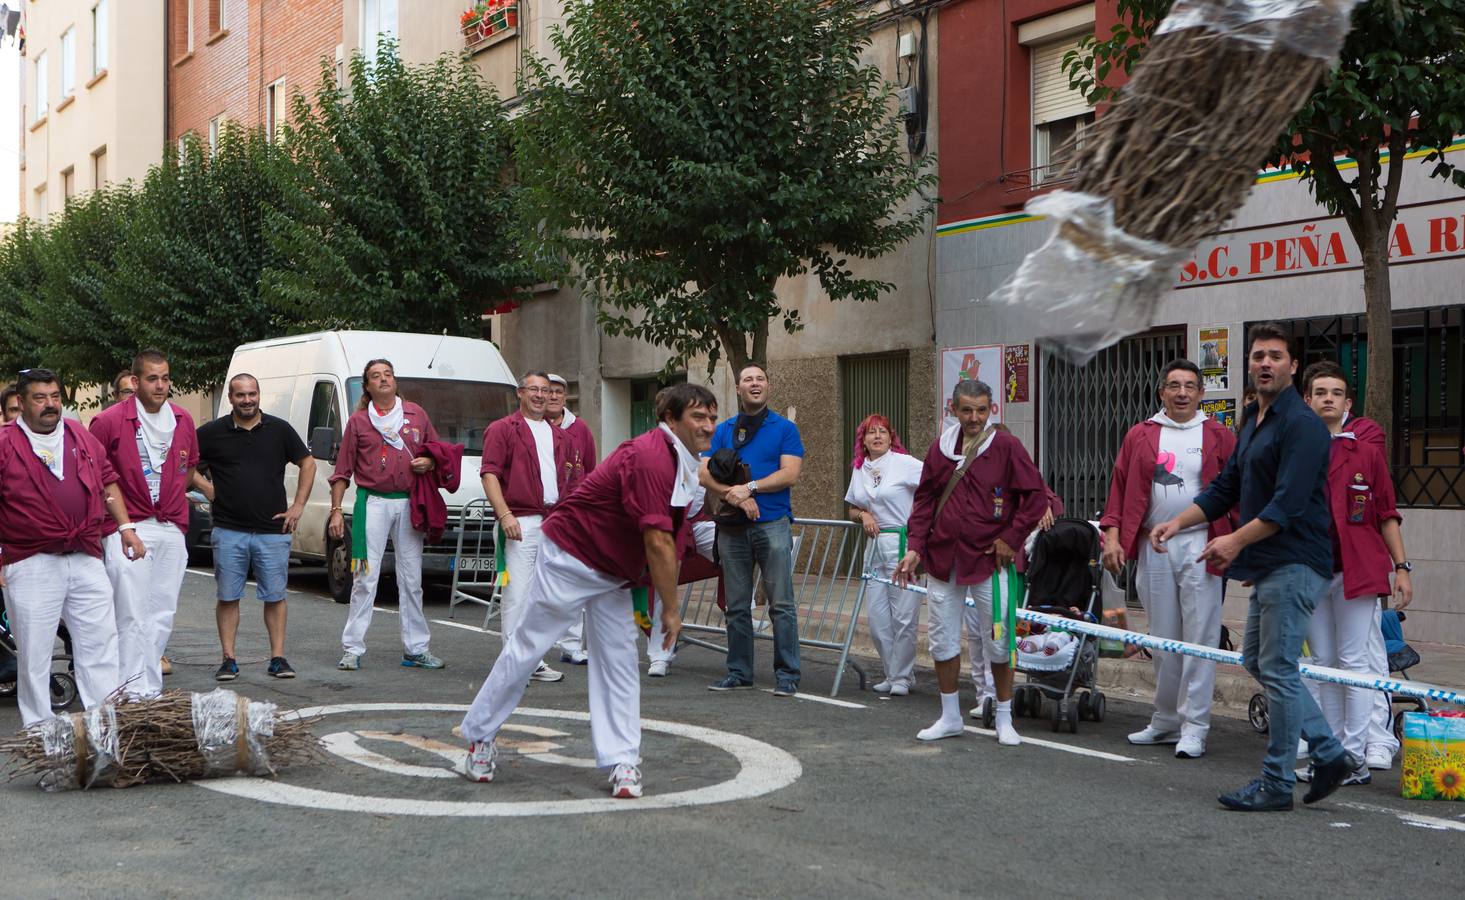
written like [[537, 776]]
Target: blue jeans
[[1276, 625], [236, 552], [769, 546]]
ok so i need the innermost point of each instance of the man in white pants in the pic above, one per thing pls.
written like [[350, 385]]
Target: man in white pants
[[580, 460], [56, 490], [617, 531], [1163, 464], [525, 472], [381, 449], [152, 447]]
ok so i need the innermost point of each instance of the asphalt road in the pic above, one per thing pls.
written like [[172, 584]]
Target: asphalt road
[[863, 809]]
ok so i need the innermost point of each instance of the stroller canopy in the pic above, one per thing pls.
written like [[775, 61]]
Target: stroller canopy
[[1063, 570]]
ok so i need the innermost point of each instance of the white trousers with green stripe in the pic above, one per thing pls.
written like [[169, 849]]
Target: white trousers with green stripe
[[945, 609]]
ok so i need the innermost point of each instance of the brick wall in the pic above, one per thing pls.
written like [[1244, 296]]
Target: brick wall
[[229, 70]]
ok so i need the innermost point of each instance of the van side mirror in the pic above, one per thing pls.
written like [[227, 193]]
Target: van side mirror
[[323, 443]]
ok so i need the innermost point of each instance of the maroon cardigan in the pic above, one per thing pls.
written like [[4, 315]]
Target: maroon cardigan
[[510, 455]]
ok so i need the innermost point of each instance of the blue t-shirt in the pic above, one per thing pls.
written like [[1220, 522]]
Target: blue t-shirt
[[776, 438]]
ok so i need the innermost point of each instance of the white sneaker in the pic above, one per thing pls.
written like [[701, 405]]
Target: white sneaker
[[545, 673], [1360, 775], [942, 729], [350, 662], [657, 669], [899, 690], [1190, 747], [1007, 736], [882, 688], [1379, 756], [625, 782], [480, 764], [578, 658], [1151, 735], [982, 699]]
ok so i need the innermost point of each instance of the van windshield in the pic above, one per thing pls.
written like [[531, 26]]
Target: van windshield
[[460, 410]]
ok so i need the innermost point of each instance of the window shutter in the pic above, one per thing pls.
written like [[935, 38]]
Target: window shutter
[[1053, 99], [874, 384]]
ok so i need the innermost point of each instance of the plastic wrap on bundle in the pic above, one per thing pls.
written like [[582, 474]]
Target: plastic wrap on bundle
[[1091, 284], [58, 739], [101, 738], [230, 731], [1314, 28]]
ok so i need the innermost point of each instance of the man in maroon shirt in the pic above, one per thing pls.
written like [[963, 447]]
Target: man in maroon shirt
[[978, 499], [151, 445], [579, 461], [56, 490], [619, 530], [381, 449], [525, 471]]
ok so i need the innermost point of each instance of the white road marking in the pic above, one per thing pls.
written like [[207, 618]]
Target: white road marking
[[465, 627], [762, 769], [1054, 745], [1408, 818], [845, 704]]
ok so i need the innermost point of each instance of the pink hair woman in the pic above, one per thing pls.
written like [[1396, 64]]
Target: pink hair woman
[[881, 490]]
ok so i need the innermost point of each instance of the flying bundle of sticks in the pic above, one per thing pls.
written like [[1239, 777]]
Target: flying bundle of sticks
[[176, 737], [1169, 162]]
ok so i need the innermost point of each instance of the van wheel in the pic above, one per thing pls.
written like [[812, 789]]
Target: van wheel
[[338, 569]]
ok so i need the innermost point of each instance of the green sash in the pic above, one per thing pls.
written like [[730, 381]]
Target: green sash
[[1004, 615], [358, 523]]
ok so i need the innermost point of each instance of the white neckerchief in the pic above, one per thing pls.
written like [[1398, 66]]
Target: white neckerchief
[[950, 441], [1347, 435], [388, 426], [1196, 421], [157, 432], [685, 488], [568, 420], [48, 447]]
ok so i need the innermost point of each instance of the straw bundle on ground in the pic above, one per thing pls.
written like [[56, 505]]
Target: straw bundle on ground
[[176, 737], [1169, 163]]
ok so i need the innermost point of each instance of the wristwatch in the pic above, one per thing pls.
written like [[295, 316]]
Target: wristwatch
[[1405, 566], [752, 487]]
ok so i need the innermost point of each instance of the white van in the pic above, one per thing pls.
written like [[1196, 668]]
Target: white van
[[313, 381]]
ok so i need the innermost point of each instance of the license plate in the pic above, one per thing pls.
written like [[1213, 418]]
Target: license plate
[[475, 564]]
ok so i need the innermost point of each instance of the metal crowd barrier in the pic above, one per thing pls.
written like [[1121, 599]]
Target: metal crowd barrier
[[829, 593], [475, 577]]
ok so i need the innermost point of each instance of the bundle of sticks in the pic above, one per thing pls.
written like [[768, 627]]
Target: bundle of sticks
[[1169, 162], [178, 736]]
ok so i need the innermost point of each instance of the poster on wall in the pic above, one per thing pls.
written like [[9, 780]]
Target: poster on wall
[[962, 363], [1015, 366], [1223, 411], [1215, 358]]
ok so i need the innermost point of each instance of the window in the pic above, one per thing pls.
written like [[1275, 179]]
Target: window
[[43, 87], [99, 168], [43, 211], [1060, 113], [68, 184], [182, 147], [216, 130], [68, 62], [378, 20], [325, 411], [216, 17], [101, 31], [461, 410], [188, 23], [275, 101]]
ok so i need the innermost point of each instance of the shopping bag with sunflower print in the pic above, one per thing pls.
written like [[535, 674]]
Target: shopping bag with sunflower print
[[1434, 757]]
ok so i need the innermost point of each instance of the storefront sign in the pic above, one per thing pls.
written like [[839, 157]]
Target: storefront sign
[[969, 363], [1015, 381], [1223, 411], [1433, 230], [1215, 359]]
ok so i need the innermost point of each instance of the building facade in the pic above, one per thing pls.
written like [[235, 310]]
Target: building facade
[[1281, 258], [92, 98]]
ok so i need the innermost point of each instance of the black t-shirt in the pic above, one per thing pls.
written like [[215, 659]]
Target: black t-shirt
[[248, 470]]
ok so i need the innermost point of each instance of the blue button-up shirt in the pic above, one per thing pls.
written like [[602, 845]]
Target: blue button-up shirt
[[1278, 474]]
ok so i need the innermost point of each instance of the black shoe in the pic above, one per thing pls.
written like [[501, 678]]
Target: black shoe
[[1329, 776], [279, 668], [228, 671], [1257, 797]]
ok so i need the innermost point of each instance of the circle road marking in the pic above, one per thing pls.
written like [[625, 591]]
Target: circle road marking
[[762, 769]]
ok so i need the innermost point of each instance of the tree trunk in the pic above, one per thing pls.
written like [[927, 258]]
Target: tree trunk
[[1379, 309], [739, 354]]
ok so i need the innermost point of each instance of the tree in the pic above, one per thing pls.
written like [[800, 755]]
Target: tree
[[188, 269], [1399, 90], [20, 276], [398, 211], [686, 154]]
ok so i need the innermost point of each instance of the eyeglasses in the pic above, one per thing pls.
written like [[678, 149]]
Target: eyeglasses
[[537, 391], [1178, 386]]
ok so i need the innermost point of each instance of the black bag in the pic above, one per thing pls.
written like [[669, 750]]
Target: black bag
[[726, 468]]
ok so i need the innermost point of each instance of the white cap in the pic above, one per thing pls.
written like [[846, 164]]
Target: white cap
[[559, 380]]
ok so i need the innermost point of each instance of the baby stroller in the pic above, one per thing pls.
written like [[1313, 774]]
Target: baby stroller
[[1063, 577], [63, 684]]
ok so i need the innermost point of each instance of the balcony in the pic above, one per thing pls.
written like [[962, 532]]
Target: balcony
[[489, 23]]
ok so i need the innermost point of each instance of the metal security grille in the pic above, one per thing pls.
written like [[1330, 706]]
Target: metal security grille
[[1429, 393], [1086, 412], [874, 384]]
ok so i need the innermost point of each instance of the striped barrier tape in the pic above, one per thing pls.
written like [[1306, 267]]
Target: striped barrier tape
[[1215, 654]]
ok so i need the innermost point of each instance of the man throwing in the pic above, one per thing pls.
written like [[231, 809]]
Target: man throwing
[[56, 490], [1278, 477], [619, 530], [151, 445], [1163, 464]]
